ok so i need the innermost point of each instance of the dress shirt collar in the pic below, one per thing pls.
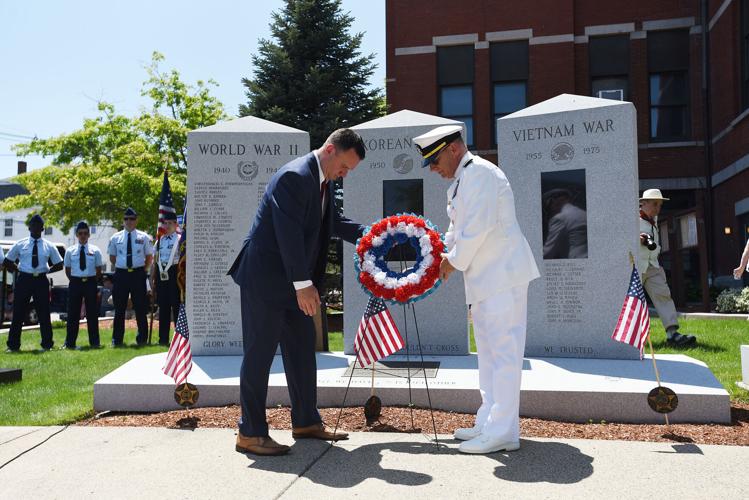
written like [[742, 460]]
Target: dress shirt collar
[[319, 168]]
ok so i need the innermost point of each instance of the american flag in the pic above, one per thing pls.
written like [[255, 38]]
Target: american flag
[[377, 336], [633, 326], [166, 204], [179, 358]]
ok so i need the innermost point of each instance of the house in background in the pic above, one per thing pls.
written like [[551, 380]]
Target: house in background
[[13, 227]]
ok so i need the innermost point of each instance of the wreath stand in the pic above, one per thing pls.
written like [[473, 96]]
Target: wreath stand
[[408, 367]]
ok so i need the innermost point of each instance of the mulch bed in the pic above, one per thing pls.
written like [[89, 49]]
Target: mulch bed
[[398, 419]]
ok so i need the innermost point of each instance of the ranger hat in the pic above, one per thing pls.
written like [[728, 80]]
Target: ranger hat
[[434, 141], [653, 194]]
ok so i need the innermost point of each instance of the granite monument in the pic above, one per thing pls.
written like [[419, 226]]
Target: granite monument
[[572, 164], [228, 167]]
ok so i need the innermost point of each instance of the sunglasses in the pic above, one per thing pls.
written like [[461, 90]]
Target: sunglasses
[[129, 218], [436, 159]]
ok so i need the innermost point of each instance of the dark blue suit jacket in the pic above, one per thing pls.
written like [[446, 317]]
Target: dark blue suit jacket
[[289, 238]]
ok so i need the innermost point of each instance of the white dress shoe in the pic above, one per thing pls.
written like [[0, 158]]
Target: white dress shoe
[[466, 433], [487, 444]]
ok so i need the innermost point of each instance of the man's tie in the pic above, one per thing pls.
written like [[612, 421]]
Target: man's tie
[[323, 189], [35, 255], [129, 251], [83, 258]]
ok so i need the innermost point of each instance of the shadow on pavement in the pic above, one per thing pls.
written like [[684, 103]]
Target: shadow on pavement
[[544, 462], [344, 467]]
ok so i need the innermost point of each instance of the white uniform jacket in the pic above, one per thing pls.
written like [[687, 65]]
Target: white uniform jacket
[[484, 240]]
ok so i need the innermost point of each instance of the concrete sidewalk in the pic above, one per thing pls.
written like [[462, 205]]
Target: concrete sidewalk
[[122, 462]]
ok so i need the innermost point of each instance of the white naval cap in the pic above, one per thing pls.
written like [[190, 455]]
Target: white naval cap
[[434, 141]]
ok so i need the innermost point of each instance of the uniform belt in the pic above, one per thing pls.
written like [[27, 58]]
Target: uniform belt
[[82, 278], [130, 269], [34, 275]]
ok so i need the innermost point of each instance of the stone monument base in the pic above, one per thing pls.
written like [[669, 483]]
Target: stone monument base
[[567, 389], [744, 383]]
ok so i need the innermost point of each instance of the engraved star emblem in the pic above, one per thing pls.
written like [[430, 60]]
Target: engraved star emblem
[[186, 394], [663, 400]]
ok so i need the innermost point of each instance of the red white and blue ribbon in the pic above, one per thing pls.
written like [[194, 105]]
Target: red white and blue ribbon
[[411, 284]]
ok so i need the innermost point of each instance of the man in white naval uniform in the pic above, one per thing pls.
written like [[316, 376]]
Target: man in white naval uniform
[[485, 242]]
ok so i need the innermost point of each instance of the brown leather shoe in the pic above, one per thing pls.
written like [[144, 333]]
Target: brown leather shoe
[[260, 445], [318, 431]]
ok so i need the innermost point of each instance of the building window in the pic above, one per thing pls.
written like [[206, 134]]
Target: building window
[[509, 74], [668, 64], [47, 231], [93, 229], [455, 80], [8, 227], [745, 53], [608, 62]]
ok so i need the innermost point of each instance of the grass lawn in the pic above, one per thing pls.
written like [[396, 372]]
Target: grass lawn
[[58, 386], [718, 343]]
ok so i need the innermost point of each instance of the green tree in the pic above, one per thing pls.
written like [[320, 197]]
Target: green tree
[[115, 161], [312, 75]]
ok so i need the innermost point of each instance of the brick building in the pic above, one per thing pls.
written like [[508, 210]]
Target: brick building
[[477, 60]]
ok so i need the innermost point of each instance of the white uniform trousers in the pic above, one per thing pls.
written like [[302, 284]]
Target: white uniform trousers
[[499, 324]]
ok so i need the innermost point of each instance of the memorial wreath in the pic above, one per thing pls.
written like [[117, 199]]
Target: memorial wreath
[[411, 284]]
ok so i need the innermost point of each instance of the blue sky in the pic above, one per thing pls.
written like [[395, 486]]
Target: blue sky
[[59, 58]]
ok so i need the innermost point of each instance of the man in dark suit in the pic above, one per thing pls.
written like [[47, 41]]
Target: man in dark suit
[[279, 272]]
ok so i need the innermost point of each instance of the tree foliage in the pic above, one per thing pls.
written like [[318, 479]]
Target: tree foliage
[[114, 161], [312, 75]]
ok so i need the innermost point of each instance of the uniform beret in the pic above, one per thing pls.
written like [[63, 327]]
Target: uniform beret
[[130, 212]]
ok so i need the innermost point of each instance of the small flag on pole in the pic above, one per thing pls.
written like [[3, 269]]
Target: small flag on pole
[[166, 205], [179, 358], [633, 326], [377, 335]]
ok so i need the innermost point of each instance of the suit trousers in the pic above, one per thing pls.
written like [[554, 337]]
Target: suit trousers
[[264, 325], [654, 282], [29, 286], [499, 324], [78, 291], [167, 297], [132, 284]]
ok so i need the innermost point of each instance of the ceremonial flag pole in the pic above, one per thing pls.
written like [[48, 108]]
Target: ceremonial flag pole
[[633, 328]]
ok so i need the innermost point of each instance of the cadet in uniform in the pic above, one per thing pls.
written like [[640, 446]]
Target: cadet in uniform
[[164, 277], [131, 252], [33, 255], [485, 242], [83, 263]]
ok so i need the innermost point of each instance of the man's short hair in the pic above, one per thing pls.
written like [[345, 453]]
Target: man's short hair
[[344, 139]]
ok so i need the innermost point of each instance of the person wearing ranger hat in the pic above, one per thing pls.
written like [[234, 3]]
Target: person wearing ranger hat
[[652, 274], [485, 242], [164, 276], [131, 252], [83, 263], [32, 257]]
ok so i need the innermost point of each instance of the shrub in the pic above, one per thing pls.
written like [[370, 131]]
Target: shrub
[[733, 300]]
